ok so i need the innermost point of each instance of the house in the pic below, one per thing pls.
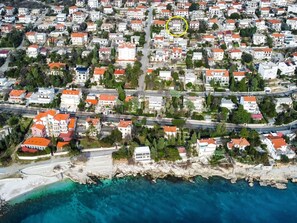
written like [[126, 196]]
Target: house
[[259, 39], [155, 103], [165, 75], [170, 131], [4, 53], [106, 100], [235, 54], [182, 152], [249, 104], [240, 144], [91, 27], [292, 23], [42, 96], [98, 74], [217, 54], [127, 52], [70, 100], [280, 102], [17, 96], [230, 24], [35, 144], [81, 75], [79, 38], [274, 24], [217, 75], [91, 99], [54, 124], [238, 75], [93, 126], [198, 103], [197, 56], [125, 127], [142, 154], [262, 53], [78, 17], [33, 51], [119, 74], [206, 147], [194, 25], [73, 9], [190, 77], [136, 25], [268, 70], [287, 68], [277, 146], [93, 3], [278, 39], [56, 68], [227, 103]]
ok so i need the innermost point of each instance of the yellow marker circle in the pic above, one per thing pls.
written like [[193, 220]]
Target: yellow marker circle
[[177, 17]]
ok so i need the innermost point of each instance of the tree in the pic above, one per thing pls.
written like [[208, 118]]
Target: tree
[[234, 16], [220, 130], [246, 58], [178, 122], [122, 94], [190, 105], [81, 105], [215, 26], [244, 133], [169, 7], [194, 7], [240, 116]]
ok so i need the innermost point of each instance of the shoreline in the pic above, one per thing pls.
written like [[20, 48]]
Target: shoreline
[[90, 171]]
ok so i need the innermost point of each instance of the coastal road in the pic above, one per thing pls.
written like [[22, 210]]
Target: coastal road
[[146, 49], [191, 124], [204, 93]]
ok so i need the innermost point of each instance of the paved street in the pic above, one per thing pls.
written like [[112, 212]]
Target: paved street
[[146, 49], [191, 124]]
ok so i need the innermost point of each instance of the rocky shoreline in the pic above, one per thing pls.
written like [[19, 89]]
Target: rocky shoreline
[[277, 177]]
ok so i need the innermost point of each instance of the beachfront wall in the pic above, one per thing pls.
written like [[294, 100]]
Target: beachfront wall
[[42, 156]]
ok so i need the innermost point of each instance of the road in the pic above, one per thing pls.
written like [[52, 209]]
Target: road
[[146, 49], [202, 94], [191, 124]]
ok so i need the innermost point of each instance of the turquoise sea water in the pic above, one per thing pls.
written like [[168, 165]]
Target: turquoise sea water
[[139, 200]]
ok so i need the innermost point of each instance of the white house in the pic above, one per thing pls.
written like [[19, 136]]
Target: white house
[[142, 154], [268, 70], [287, 68], [42, 96], [277, 146], [70, 99], [33, 51], [249, 104], [259, 39], [197, 56], [79, 39], [155, 103], [125, 127], [206, 147], [218, 75], [127, 52], [227, 103], [241, 144], [262, 53], [170, 131], [93, 3], [198, 103], [165, 75], [81, 75], [279, 102]]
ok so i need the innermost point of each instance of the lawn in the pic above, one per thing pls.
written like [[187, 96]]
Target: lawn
[[88, 143]]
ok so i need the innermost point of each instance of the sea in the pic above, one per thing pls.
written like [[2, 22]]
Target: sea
[[140, 200]]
